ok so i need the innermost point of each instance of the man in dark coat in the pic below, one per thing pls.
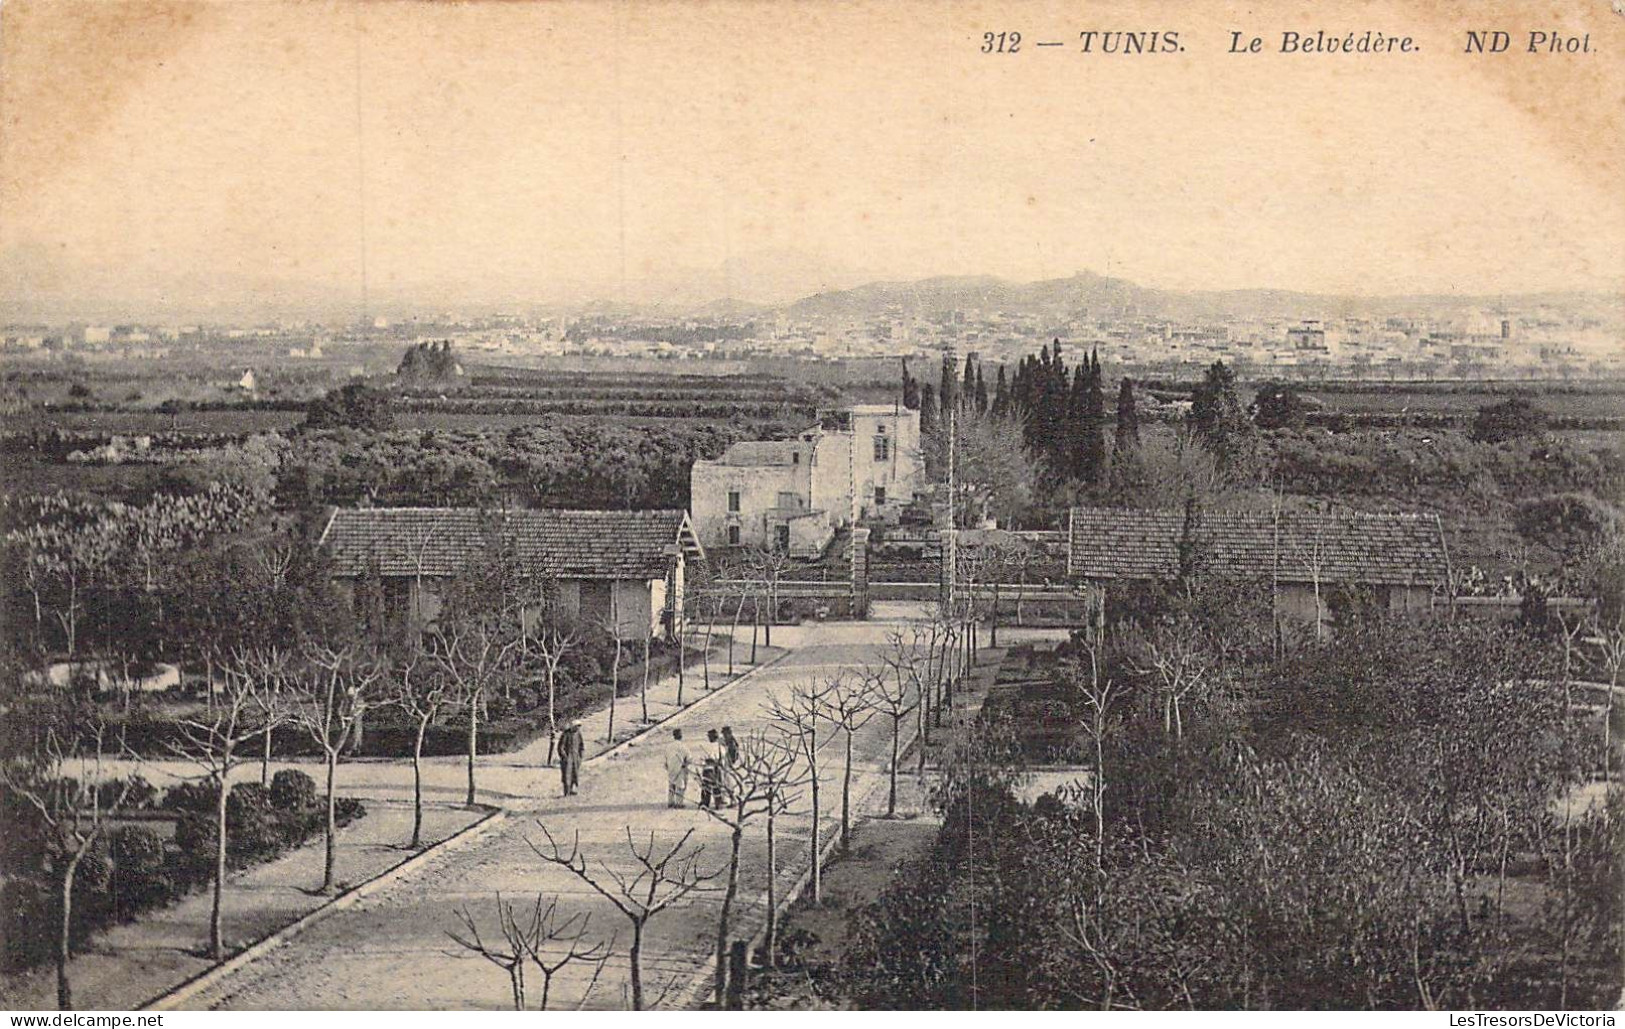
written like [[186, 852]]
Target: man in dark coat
[[711, 773], [572, 749]]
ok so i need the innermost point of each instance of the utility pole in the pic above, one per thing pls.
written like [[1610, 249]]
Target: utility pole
[[950, 552], [852, 508]]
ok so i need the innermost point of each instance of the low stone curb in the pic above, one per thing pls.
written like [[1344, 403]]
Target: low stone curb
[[173, 998]]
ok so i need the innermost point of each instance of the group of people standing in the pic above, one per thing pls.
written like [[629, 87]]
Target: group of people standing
[[720, 754]]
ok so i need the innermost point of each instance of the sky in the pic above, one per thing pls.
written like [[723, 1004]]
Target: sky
[[165, 159]]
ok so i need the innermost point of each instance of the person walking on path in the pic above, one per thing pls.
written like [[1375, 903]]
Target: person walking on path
[[676, 770], [728, 755], [711, 772], [572, 749]]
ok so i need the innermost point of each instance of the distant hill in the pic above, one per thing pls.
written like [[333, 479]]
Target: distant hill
[[1097, 295]]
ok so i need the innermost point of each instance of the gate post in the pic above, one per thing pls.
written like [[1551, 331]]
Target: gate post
[[860, 573]]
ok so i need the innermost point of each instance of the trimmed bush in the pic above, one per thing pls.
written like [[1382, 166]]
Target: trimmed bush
[[26, 926], [292, 790], [253, 830], [190, 797], [345, 811], [194, 839], [140, 880]]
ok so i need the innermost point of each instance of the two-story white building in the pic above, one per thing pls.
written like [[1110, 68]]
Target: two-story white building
[[862, 462]]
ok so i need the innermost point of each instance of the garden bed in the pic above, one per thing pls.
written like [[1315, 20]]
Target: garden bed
[[155, 853]]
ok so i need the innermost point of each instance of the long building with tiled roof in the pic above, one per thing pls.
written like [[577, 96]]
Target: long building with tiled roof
[[1400, 559], [635, 557]]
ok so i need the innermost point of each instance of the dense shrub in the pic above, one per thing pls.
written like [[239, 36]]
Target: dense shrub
[[190, 797], [133, 869], [140, 876], [142, 794], [195, 842], [347, 810], [1508, 420], [26, 926], [292, 790], [254, 832]]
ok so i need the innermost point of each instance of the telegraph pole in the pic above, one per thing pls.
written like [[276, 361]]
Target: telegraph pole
[[852, 508], [950, 554]]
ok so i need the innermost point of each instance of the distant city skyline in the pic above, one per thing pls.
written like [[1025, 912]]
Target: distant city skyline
[[234, 160]]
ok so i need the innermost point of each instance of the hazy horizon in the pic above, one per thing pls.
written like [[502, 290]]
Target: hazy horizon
[[174, 161]]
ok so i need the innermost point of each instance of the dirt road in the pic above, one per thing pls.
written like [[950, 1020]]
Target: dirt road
[[392, 950]]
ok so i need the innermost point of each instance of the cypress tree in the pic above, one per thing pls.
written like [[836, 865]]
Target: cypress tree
[[981, 391], [1216, 414], [928, 409], [1001, 396], [1093, 449], [1128, 422], [911, 389], [947, 393], [1073, 453]]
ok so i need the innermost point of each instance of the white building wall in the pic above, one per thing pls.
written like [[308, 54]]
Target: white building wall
[[760, 489], [842, 452]]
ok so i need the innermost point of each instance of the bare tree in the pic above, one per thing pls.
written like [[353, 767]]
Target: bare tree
[[211, 742], [768, 565], [798, 717], [851, 707], [1570, 634], [643, 691], [527, 938], [1175, 655], [701, 585], [511, 960], [78, 558], [1612, 645], [1100, 694], [475, 653], [895, 691], [663, 876], [754, 785], [741, 577], [611, 625], [330, 707], [272, 672], [551, 963], [420, 693], [553, 642], [73, 812], [1312, 557]]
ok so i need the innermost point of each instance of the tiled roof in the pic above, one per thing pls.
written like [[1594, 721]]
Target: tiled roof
[[757, 453], [441, 541], [1342, 547]]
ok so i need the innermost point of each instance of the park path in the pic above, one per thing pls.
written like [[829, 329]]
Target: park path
[[391, 950], [506, 779], [129, 965]]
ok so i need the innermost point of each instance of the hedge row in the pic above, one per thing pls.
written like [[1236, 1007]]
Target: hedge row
[[135, 869], [1345, 420], [510, 724], [626, 408]]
